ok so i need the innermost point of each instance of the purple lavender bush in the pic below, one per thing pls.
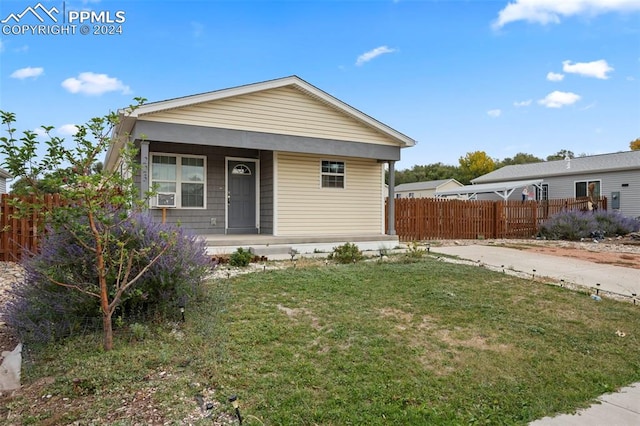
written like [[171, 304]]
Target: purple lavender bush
[[575, 225], [613, 223], [41, 311]]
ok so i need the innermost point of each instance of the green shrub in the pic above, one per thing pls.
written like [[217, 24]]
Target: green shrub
[[414, 251], [346, 253], [240, 257], [139, 331]]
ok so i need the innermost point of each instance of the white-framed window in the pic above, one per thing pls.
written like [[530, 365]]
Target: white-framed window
[[184, 175], [412, 195], [542, 192], [333, 174], [582, 188]]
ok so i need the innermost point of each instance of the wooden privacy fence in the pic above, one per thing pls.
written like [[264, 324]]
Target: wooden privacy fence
[[19, 234], [432, 218]]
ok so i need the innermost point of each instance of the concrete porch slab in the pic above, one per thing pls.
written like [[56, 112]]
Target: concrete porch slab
[[277, 247]]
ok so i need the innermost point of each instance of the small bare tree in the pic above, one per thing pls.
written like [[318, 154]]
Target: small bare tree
[[96, 202]]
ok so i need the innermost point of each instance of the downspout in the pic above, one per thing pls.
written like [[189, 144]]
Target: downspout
[[391, 203]]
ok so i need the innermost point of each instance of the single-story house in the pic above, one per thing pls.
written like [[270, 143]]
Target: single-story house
[[615, 176], [426, 189], [4, 175], [279, 163]]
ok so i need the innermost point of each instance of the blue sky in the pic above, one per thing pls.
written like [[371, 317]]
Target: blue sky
[[533, 76]]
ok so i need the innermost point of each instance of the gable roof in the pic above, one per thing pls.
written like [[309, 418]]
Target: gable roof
[[626, 160], [293, 81], [4, 174], [128, 120], [425, 185]]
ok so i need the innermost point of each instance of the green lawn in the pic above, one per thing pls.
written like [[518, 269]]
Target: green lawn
[[372, 343]]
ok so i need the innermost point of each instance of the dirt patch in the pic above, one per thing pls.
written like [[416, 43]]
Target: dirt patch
[[627, 260], [472, 341], [622, 251]]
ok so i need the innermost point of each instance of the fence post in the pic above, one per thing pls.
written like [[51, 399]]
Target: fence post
[[496, 219]]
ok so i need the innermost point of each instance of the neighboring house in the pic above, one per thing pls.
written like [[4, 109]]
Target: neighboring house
[[280, 158], [4, 175], [425, 189], [615, 176]]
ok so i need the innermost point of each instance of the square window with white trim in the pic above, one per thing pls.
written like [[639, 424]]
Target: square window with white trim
[[182, 175], [333, 173], [588, 188]]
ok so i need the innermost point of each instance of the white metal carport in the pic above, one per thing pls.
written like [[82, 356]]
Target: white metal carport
[[502, 189]]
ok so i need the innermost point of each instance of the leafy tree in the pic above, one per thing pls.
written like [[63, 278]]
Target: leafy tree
[[635, 145], [561, 155], [48, 184], [96, 205], [475, 164], [519, 158], [435, 171]]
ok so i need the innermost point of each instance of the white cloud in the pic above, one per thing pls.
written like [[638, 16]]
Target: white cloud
[[519, 104], [67, 130], [631, 78], [551, 11], [90, 83], [558, 99], [552, 76], [367, 56], [495, 113], [27, 72], [597, 69]]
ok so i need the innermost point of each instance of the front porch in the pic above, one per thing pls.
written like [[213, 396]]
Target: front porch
[[276, 247]]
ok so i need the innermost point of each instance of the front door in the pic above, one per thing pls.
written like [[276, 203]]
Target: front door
[[241, 197]]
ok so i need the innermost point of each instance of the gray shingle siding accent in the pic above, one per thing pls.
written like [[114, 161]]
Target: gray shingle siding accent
[[266, 192], [199, 220]]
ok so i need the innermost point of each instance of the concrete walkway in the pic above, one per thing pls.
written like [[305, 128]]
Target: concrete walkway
[[617, 409]]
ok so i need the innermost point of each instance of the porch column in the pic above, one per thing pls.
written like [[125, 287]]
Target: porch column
[[391, 203], [144, 168]]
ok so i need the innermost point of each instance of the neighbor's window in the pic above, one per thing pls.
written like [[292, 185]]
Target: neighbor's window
[[182, 174], [332, 174], [582, 188], [542, 192]]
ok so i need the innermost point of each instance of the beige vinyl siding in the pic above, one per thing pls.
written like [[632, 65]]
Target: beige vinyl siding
[[304, 208], [284, 110]]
